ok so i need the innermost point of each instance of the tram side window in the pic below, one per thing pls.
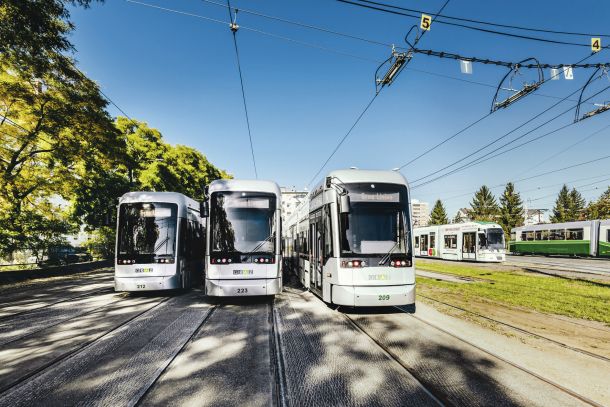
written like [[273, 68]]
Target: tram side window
[[529, 236], [513, 236], [539, 235], [416, 241], [328, 236], [544, 235], [574, 234], [558, 234], [432, 240], [608, 235], [523, 236], [450, 241]]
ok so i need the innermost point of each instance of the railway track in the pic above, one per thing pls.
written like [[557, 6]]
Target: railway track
[[151, 380], [277, 359], [435, 395], [524, 331], [513, 364], [82, 347]]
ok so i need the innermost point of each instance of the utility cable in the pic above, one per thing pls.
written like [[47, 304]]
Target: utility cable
[[360, 116], [526, 37], [439, 144], [488, 23], [241, 81]]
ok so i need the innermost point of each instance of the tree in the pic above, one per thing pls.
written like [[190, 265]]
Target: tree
[[561, 210], [599, 209], [576, 207], [458, 217], [438, 216], [35, 32], [484, 206], [511, 209]]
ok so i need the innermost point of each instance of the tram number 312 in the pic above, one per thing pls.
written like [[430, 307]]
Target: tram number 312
[[384, 297]]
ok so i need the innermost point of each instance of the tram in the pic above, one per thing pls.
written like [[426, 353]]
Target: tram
[[350, 243], [159, 243], [470, 241], [243, 250], [585, 238]]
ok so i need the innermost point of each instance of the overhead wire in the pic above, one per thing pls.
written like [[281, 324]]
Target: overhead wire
[[342, 140], [243, 92], [507, 34], [482, 22], [487, 156]]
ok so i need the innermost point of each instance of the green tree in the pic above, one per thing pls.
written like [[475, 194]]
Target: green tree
[[34, 33], [576, 207], [438, 216], [561, 210], [599, 209], [458, 218], [484, 206], [511, 209]]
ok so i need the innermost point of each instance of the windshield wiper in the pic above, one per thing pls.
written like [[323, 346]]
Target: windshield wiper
[[386, 257], [258, 246]]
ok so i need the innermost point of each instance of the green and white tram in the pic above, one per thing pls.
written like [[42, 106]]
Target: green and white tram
[[470, 241], [160, 242], [350, 244], [584, 238]]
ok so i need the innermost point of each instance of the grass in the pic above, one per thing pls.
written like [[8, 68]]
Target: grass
[[514, 287]]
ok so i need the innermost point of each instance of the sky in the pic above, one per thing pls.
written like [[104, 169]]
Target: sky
[[179, 74]]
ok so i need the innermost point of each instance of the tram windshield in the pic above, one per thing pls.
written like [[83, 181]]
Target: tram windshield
[[494, 239], [147, 230], [243, 222], [376, 222]]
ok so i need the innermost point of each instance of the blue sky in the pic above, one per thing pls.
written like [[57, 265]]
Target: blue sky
[[178, 73]]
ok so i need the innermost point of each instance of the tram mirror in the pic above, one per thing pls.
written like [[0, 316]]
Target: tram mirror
[[204, 210], [345, 204]]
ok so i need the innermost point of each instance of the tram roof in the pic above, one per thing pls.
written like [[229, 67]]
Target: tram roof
[[247, 185], [149, 196], [356, 175]]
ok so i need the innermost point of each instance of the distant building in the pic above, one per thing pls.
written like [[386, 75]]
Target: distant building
[[534, 216], [463, 214], [291, 199], [421, 213]]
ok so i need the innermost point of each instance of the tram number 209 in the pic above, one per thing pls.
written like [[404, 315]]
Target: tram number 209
[[384, 297], [242, 291]]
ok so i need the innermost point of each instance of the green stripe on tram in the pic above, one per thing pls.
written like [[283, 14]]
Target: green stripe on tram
[[575, 247], [604, 249]]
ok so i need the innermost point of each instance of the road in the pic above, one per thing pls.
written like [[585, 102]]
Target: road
[[77, 342]]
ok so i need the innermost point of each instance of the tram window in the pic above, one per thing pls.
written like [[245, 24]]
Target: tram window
[[608, 235], [328, 236], [529, 236], [544, 235], [574, 234], [523, 236], [558, 234], [450, 241], [416, 241], [432, 240], [539, 235], [513, 236]]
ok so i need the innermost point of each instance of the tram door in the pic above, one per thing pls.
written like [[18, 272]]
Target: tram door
[[315, 225], [423, 245], [469, 241]]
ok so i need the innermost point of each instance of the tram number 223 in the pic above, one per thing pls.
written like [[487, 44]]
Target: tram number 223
[[384, 297], [242, 291]]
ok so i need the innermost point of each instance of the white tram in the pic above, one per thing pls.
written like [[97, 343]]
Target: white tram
[[350, 243], [470, 241], [160, 242], [243, 250]]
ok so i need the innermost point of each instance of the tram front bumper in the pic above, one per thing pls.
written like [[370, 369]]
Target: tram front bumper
[[373, 296], [147, 283], [243, 288]]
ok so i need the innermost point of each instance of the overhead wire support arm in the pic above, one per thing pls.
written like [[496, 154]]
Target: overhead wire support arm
[[600, 109], [397, 61], [526, 90]]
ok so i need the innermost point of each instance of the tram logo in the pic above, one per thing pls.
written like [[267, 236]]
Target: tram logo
[[243, 272]]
